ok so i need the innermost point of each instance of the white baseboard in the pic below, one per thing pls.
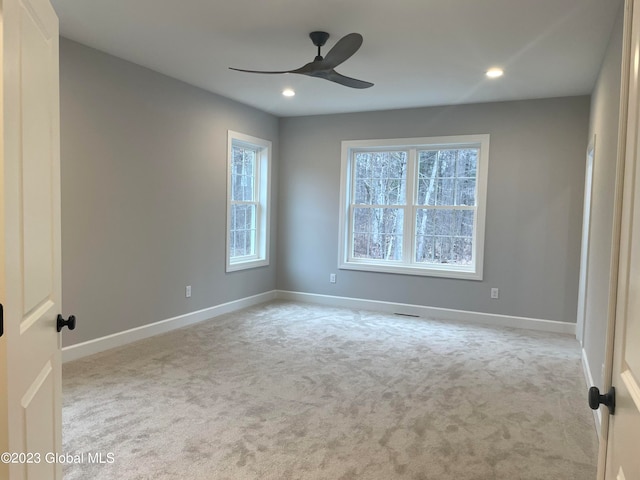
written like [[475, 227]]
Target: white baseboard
[[588, 378], [432, 312], [119, 339]]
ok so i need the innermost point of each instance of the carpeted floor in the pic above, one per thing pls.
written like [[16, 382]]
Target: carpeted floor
[[297, 391]]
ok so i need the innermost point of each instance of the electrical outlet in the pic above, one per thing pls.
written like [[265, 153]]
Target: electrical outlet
[[187, 291], [332, 278], [495, 292]]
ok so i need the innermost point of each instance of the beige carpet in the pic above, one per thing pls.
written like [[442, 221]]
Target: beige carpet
[[296, 391]]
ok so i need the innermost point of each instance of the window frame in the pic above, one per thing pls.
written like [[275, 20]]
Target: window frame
[[262, 195], [409, 266]]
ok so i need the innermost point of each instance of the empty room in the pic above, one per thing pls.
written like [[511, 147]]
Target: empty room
[[320, 240]]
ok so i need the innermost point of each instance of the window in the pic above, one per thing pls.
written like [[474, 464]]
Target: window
[[414, 206], [248, 181]]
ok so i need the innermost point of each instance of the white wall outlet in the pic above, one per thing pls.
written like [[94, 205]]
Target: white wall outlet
[[332, 278], [187, 291], [495, 293]]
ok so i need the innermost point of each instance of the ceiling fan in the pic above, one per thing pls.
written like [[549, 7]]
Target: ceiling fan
[[324, 67]]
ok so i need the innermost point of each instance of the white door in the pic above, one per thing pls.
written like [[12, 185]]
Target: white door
[[30, 369], [622, 445]]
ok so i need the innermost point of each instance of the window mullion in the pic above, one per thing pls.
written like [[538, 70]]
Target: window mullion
[[351, 208], [408, 245], [257, 232], [257, 220]]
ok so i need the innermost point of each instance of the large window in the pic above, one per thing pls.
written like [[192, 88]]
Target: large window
[[247, 201], [414, 206]]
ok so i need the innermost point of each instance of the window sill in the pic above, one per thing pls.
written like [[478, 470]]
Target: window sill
[[457, 273], [247, 264]]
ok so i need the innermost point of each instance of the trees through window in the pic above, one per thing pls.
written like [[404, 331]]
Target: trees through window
[[415, 208], [247, 201]]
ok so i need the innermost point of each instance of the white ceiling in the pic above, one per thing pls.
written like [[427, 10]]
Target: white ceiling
[[417, 52]]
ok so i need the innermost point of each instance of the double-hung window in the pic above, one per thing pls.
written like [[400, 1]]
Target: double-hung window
[[248, 173], [414, 206]]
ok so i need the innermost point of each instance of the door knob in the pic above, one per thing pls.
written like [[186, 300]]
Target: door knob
[[61, 323], [609, 399]]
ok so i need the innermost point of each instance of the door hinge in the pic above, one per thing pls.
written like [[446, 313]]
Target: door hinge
[[1, 320]]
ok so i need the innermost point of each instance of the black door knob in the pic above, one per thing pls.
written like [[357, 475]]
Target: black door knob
[[71, 323], [609, 399]]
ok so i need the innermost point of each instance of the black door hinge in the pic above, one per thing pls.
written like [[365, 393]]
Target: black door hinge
[[1, 320]]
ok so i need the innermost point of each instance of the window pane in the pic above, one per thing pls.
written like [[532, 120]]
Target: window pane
[[445, 191], [464, 223], [377, 233], [467, 164], [462, 251], [447, 177], [243, 174], [425, 248], [444, 236], [237, 242], [427, 161], [380, 178], [427, 177], [249, 242], [249, 217], [466, 192], [447, 163], [242, 236], [442, 251], [237, 217], [247, 185], [243, 217], [425, 222], [443, 222]]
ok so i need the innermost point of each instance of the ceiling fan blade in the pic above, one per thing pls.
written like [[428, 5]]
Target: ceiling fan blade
[[341, 51], [310, 68], [261, 71], [334, 76], [307, 69]]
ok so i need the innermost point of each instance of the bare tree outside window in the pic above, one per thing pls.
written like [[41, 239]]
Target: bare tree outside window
[[415, 208], [447, 197], [242, 235], [378, 218], [248, 187]]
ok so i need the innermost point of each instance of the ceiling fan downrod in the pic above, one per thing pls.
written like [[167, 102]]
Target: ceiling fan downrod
[[319, 39]]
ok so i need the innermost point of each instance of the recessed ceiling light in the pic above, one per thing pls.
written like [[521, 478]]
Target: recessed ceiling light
[[495, 72], [288, 92]]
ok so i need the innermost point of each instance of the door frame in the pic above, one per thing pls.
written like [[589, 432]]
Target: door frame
[[4, 427], [583, 282]]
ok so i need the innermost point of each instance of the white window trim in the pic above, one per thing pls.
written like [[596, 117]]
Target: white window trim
[[475, 271], [263, 210]]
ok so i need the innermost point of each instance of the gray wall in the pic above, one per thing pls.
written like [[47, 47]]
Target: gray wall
[[605, 107], [144, 189], [534, 205], [144, 194]]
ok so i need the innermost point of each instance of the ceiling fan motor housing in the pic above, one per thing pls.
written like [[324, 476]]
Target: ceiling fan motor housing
[[319, 39]]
